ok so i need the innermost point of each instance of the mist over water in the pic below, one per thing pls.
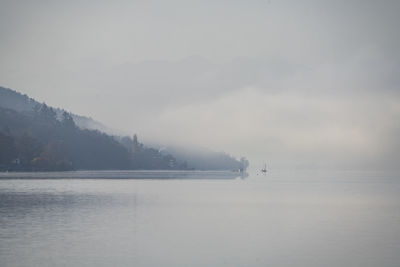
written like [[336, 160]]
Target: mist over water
[[279, 219]]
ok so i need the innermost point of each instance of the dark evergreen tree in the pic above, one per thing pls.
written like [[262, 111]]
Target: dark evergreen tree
[[67, 121]]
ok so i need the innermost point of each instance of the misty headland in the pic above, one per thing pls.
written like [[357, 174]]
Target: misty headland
[[37, 137]]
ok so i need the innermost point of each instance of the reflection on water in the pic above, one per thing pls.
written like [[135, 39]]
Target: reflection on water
[[281, 219], [125, 175]]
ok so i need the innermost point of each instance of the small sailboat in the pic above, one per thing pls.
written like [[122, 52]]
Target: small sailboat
[[264, 170]]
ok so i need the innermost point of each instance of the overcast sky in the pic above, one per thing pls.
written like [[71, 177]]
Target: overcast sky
[[293, 83]]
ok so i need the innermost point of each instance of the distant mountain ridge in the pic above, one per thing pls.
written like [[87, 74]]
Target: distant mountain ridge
[[23, 103], [35, 136]]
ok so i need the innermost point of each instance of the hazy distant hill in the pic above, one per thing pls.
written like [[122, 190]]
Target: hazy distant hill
[[19, 102], [38, 141], [34, 136], [205, 159], [13, 100]]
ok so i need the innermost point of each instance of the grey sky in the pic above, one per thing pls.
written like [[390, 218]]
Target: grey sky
[[295, 83]]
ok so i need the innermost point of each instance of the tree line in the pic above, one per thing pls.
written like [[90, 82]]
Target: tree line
[[42, 141]]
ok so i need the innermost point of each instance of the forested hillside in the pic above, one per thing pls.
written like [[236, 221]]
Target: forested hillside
[[20, 102], [39, 141], [37, 137]]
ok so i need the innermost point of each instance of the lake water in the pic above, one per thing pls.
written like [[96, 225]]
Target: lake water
[[200, 219]]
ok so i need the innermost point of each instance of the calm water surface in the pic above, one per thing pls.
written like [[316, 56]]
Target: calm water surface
[[280, 219]]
